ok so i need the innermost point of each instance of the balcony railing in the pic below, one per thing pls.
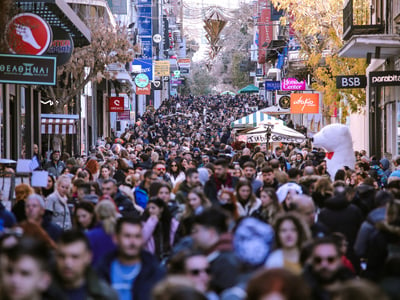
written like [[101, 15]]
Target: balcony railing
[[357, 20]]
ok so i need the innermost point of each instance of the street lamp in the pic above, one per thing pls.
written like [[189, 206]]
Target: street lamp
[[268, 133]]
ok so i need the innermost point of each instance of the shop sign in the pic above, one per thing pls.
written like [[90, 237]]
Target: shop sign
[[27, 69], [143, 90], [29, 34], [141, 80], [161, 68], [156, 85], [184, 63], [304, 103], [351, 82], [384, 78], [272, 85], [124, 115], [62, 45], [116, 104], [291, 84]]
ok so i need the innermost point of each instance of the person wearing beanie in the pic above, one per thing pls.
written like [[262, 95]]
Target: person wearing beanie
[[252, 244]]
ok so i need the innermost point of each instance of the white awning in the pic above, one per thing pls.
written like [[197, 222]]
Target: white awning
[[58, 124], [359, 45]]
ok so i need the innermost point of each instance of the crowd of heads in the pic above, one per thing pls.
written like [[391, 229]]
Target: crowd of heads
[[176, 208]]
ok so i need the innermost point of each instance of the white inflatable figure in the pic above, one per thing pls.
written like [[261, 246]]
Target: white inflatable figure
[[336, 140]]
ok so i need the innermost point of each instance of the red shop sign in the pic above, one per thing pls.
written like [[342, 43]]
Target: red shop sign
[[28, 33], [116, 104]]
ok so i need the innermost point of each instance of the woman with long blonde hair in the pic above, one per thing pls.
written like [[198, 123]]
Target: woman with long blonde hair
[[100, 237]]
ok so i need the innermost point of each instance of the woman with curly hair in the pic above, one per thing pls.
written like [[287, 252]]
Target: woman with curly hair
[[269, 207], [159, 228], [291, 233], [22, 191]]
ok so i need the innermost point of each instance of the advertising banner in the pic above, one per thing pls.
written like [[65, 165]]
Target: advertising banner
[[304, 103], [116, 104], [351, 81], [143, 90], [272, 85], [28, 33], [144, 13], [161, 68], [291, 84], [146, 67], [147, 47], [384, 78], [27, 69], [61, 46]]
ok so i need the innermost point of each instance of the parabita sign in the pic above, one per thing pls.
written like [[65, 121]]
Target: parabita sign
[[27, 69]]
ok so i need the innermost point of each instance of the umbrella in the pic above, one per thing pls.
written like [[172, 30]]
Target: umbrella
[[279, 133], [276, 110], [249, 89], [255, 119], [228, 93]]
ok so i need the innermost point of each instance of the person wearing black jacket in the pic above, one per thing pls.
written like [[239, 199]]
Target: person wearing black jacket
[[220, 179], [124, 205], [130, 270]]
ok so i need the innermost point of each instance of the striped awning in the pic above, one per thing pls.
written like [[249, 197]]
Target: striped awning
[[58, 124], [255, 119]]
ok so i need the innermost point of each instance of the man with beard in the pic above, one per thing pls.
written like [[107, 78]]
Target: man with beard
[[325, 270], [130, 270], [74, 276], [268, 178], [220, 179]]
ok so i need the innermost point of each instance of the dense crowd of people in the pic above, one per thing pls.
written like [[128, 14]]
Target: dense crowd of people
[[176, 208]]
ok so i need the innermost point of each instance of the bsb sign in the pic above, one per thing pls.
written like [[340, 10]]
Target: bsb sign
[[351, 82], [27, 69]]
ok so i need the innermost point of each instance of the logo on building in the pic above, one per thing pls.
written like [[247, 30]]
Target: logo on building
[[28, 33]]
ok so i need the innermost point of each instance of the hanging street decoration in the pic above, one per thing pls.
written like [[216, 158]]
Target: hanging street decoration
[[213, 26]]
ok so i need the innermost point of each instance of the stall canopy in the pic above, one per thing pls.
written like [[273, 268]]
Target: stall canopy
[[280, 133], [276, 110], [255, 119], [228, 93], [58, 124], [249, 89]]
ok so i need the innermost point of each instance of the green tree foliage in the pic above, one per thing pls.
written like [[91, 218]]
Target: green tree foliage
[[318, 26], [109, 45], [200, 81]]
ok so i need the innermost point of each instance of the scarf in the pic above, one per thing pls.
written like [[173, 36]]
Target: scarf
[[226, 184]]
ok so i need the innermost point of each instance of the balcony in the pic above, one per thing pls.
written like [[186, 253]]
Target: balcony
[[357, 20], [363, 38]]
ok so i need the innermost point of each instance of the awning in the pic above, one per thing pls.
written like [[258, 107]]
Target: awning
[[275, 110], [280, 133], [255, 119], [359, 45], [58, 124]]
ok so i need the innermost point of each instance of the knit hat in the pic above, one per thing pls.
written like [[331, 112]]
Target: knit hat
[[252, 241], [203, 175], [284, 190]]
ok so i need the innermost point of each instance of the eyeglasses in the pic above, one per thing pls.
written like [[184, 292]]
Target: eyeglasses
[[196, 272], [318, 259], [160, 169], [174, 165]]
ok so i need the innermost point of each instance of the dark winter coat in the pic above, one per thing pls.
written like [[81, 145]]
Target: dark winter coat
[[150, 274]]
